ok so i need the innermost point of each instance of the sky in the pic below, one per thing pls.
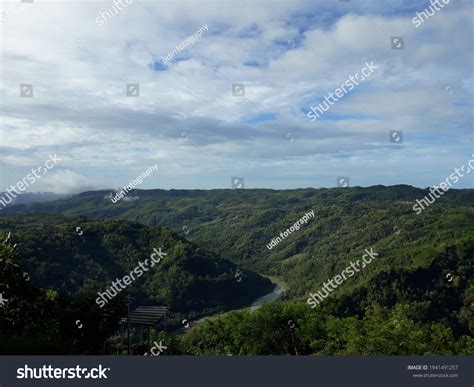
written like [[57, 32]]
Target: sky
[[79, 58]]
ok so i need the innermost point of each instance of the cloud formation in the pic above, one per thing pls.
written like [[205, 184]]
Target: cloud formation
[[288, 55]]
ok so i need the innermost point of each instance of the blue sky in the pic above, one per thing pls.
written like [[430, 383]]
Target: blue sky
[[288, 54]]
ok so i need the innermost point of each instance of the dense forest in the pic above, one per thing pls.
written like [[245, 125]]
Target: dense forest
[[415, 298], [58, 255]]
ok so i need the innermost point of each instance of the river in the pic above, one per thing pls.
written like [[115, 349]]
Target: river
[[270, 297], [278, 290]]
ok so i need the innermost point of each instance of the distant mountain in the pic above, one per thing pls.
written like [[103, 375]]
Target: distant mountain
[[32, 197]]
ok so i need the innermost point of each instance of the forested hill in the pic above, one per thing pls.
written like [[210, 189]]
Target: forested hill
[[238, 225], [80, 257], [416, 297]]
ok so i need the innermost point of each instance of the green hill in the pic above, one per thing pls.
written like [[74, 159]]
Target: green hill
[[238, 225], [188, 279], [415, 298]]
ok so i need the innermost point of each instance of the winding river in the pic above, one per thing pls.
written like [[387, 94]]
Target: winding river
[[270, 297], [278, 290]]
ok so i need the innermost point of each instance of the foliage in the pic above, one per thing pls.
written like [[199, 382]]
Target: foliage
[[415, 298]]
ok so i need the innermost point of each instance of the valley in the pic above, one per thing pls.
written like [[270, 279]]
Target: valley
[[219, 271]]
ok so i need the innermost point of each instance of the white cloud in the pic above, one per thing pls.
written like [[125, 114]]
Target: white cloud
[[80, 110], [64, 182]]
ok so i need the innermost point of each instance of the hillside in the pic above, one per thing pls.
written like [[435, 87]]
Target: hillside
[[80, 257], [400, 312], [416, 297], [238, 225]]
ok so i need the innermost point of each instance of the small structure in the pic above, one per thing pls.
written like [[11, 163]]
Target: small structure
[[144, 316]]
